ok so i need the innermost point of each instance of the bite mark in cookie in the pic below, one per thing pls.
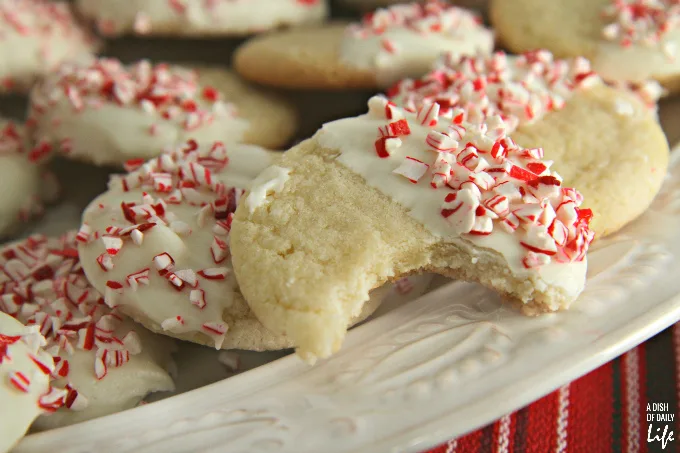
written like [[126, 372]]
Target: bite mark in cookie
[[394, 192], [531, 89]]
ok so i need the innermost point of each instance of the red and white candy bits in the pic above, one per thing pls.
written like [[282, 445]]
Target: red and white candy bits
[[43, 285], [107, 112], [199, 18], [404, 40], [25, 369], [157, 243], [46, 32], [645, 22]]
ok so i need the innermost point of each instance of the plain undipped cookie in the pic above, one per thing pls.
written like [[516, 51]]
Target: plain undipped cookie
[[107, 113], [162, 234], [388, 45], [191, 18], [596, 29], [391, 193], [35, 37], [606, 141], [103, 362]]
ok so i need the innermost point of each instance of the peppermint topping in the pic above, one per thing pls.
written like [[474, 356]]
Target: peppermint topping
[[515, 90], [167, 92], [430, 17], [51, 22], [43, 285], [186, 9], [488, 182], [13, 142], [643, 22], [183, 177]]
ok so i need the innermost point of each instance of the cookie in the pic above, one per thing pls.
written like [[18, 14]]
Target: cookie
[[157, 244], [605, 141], [36, 36], [103, 362], [188, 18], [392, 193], [624, 40], [388, 45], [25, 391], [20, 178], [108, 113]]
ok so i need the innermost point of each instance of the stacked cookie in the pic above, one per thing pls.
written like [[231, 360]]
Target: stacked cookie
[[465, 161]]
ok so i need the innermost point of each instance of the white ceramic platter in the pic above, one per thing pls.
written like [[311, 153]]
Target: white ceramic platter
[[423, 373]]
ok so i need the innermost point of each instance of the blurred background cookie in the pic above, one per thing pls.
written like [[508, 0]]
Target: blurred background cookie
[[605, 141], [625, 41], [104, 363], [190, 18], [389, 44], [107, 113], [36, 36]]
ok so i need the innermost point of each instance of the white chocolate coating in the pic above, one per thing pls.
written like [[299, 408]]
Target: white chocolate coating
[[415, 50], [106, 131], [19, 409], [195, 18], [187, 238]]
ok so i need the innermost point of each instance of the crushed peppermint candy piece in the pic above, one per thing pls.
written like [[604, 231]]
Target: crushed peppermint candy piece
[[645, 22]]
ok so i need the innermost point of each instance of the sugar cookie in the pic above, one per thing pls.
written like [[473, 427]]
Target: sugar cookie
[[614, 150], [157, 245], [36, 36], [103, 362], [25, 391], [190, 18], [108, 113], [20, 178], [390, 193], [388, 45], [625, 40]]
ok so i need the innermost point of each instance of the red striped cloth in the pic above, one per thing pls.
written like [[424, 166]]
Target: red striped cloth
[[603, 411]]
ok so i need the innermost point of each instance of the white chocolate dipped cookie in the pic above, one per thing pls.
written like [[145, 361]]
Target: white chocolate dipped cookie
[[391, 193], [615, 151], [35, 37], [20, 178], [388, 45], [157, 245], [108, 113], [190, 18], [625, 40], [103, 361], [25, 390]]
